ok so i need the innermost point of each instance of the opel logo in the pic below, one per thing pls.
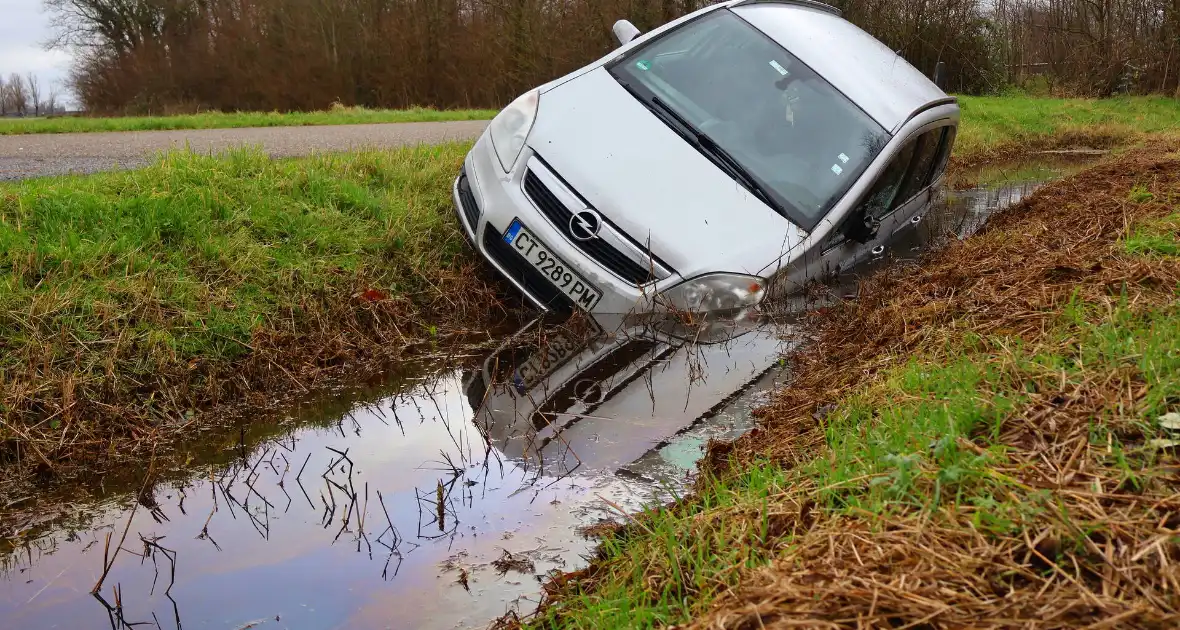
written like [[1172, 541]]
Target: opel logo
[[588, 391], [585, 225]]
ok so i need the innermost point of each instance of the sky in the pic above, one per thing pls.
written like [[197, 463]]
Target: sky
[[24, 28]]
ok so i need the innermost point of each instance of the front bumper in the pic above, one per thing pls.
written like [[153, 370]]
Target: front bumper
[[499, 198]]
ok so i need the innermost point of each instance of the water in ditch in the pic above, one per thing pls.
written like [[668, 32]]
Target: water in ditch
[[439, 499]]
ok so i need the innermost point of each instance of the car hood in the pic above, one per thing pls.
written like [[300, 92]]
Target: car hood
[[646, 179]]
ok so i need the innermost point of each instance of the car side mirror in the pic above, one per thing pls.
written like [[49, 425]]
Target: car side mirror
[[861, 227], [625, 31]]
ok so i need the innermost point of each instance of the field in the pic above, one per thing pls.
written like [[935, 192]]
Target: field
[[132, 302], [220, 120], [996, 127]]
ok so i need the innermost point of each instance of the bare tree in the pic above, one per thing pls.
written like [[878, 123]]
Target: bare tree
[[3, 97], [18, 98], [33, 86], [51, 101]]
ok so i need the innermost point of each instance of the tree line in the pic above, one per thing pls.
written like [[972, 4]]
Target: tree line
[[161, 56], [26, 96]]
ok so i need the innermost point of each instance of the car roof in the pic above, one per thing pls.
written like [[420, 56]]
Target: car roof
[[880, 81]]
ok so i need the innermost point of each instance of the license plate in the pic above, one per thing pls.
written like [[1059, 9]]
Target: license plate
[[545, 359], [584, 294]]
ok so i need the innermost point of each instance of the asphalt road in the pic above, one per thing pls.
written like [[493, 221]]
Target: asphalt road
[[38, 155]]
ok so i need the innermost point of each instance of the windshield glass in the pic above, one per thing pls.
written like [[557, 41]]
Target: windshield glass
[[802, 140]]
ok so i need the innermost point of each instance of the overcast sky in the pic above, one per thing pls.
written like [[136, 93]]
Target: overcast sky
[[24, 28]]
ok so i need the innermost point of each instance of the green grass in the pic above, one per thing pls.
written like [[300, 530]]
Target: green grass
[[1160, 237], [997, 121], [219, 120], [188, 258], [904, 434]]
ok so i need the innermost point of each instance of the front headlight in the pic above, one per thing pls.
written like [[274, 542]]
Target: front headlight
[[510, 128], [715, 292]]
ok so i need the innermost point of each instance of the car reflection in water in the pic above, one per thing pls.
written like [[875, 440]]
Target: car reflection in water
[[579, 398]]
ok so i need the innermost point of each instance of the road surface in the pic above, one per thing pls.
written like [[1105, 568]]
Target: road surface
[[38, 155]]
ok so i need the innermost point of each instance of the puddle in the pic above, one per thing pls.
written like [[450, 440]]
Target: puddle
[[994, 187], [439, 500]]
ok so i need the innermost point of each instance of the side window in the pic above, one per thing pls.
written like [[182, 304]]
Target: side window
[[925, 154], [878, 202]]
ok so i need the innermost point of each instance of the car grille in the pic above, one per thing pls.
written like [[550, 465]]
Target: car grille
[[596, 376], [518, 269], [467, 200], [601, 251]]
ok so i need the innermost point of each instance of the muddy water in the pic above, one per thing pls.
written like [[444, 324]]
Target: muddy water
[[378, 519], [437, 501]]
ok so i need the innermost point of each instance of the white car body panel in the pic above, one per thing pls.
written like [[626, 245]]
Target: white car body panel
[[641, 175]]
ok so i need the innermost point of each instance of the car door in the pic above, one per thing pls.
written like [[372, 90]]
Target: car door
[[914, 213], [840, 252], [901, 193]]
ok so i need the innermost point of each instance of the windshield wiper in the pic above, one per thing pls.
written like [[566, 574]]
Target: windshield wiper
[[707, 144]]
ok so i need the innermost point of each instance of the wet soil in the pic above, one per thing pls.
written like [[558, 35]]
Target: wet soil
[[438, 497]]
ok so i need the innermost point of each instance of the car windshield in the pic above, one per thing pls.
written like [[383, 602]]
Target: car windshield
[[800, 140]]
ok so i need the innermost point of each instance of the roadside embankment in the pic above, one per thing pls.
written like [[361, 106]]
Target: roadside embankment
[[132, 301], [985, 440]]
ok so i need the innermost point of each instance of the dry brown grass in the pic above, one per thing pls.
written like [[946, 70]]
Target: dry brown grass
[[1012, 278], [1107, 557]]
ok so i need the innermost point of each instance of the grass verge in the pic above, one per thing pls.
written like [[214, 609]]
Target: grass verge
[[222, 120], [977, 442], [130, 301], [994, 128]]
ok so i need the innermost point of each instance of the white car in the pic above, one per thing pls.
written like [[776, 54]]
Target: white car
[[734, 153]]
